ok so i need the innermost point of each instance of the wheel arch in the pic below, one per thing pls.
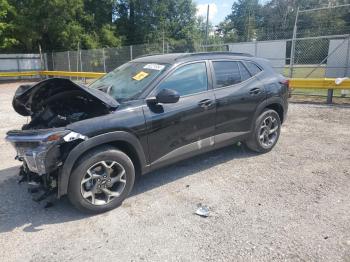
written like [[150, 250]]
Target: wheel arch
[[278, 108], [275, 103], [122, 140]]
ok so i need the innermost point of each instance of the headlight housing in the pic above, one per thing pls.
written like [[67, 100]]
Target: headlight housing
[[40, 148]]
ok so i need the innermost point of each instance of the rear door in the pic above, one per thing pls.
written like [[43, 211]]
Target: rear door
[[179, 130], [238, 93]]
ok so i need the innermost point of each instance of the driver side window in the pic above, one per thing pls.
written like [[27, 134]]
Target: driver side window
[[187, 80]]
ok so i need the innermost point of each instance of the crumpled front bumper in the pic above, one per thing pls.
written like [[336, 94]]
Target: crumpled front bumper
[[40, 150]]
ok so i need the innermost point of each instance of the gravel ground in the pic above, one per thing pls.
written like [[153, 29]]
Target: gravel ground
[[291, 204]]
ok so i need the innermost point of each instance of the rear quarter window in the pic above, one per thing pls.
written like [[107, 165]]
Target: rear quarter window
[[253, 68], [244, 72]]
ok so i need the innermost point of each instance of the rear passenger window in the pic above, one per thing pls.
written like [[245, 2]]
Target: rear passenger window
[[253, 68], [226, 73]]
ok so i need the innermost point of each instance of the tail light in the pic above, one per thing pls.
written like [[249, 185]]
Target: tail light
[[286, 83]]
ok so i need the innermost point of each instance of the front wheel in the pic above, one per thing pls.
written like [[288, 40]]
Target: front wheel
[[266, 132], [101, 180]]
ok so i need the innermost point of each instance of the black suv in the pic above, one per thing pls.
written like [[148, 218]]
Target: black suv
[[91, 142]]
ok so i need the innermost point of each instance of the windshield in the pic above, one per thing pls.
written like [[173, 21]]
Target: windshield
[[129, 80]]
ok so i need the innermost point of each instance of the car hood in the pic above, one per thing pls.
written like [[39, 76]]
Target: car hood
[[27, 96]]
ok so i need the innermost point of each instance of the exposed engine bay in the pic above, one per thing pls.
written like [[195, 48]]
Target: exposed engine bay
[[58, 102], [64, 108]]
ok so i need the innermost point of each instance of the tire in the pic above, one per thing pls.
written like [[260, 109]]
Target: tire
[[255, 142], [101, 180]]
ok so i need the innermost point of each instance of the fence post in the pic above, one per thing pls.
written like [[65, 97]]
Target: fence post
[[330, 96], [78, 59], [18, 67], [41, 62], [69, 68], [130, 52], [53, 62], [81, 65], [347, 59], [256, 48], [104, 60], [46, 66]]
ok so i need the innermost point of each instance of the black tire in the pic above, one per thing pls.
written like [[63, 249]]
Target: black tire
[[254, 143], [105, 153]]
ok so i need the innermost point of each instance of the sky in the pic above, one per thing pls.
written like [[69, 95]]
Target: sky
[[219, 9]]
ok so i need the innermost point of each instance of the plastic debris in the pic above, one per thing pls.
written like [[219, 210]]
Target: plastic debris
[[340, 80], [202, 211]]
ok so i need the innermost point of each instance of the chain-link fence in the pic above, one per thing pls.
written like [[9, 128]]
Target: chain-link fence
[[100, 60], [307, 57], [314, 57]]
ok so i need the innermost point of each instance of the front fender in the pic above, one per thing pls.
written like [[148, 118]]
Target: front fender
[[93, 142]]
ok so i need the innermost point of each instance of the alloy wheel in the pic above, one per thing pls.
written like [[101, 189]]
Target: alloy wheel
[[103, 182], [268, 132]]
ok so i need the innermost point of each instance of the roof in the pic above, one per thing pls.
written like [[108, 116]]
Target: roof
[[187, 57]]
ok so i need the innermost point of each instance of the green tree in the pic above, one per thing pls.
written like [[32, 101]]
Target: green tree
[[274, 19], [62, 24], [6, 39], [244, 19], [148, 21]]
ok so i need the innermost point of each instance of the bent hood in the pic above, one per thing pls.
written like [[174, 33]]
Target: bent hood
[[28, 97]]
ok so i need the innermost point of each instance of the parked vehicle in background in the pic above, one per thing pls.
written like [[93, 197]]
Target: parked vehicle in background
[[91, 142]]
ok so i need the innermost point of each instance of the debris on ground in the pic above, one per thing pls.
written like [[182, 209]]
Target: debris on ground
[[202, 211]]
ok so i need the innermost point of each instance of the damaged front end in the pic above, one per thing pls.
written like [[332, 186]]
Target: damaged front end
[[42, 153], [44, 143]]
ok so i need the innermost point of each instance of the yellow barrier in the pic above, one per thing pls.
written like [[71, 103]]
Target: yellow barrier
[[71, 74], [53, 73], [14, 74], [295, 83], [318, 83]]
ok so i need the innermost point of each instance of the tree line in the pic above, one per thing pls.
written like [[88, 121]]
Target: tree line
[[57, 25], [257, 20]]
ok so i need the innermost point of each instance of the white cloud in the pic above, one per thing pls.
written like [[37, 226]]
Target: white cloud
[[202, 10]]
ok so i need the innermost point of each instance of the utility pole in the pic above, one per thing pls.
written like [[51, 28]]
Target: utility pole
[[207, 28], [292, 52]]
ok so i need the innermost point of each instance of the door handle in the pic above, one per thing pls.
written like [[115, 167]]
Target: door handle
[[206, 103], [255, 91]]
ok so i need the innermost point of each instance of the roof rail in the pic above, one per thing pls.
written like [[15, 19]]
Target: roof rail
[[151, 54], [217, 53]]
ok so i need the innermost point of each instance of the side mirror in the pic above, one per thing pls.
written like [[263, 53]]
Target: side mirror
[[166, 96]]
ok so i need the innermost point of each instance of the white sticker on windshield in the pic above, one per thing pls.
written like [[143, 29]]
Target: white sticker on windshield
[[154, 67]]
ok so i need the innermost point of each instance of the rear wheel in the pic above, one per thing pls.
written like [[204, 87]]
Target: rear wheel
[[101, 180], [266, 132]]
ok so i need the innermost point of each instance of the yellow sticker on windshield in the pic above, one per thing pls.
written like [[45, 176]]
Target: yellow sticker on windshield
[[140, 76]]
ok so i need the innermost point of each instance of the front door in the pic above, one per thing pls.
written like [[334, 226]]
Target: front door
[[180, 129]]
